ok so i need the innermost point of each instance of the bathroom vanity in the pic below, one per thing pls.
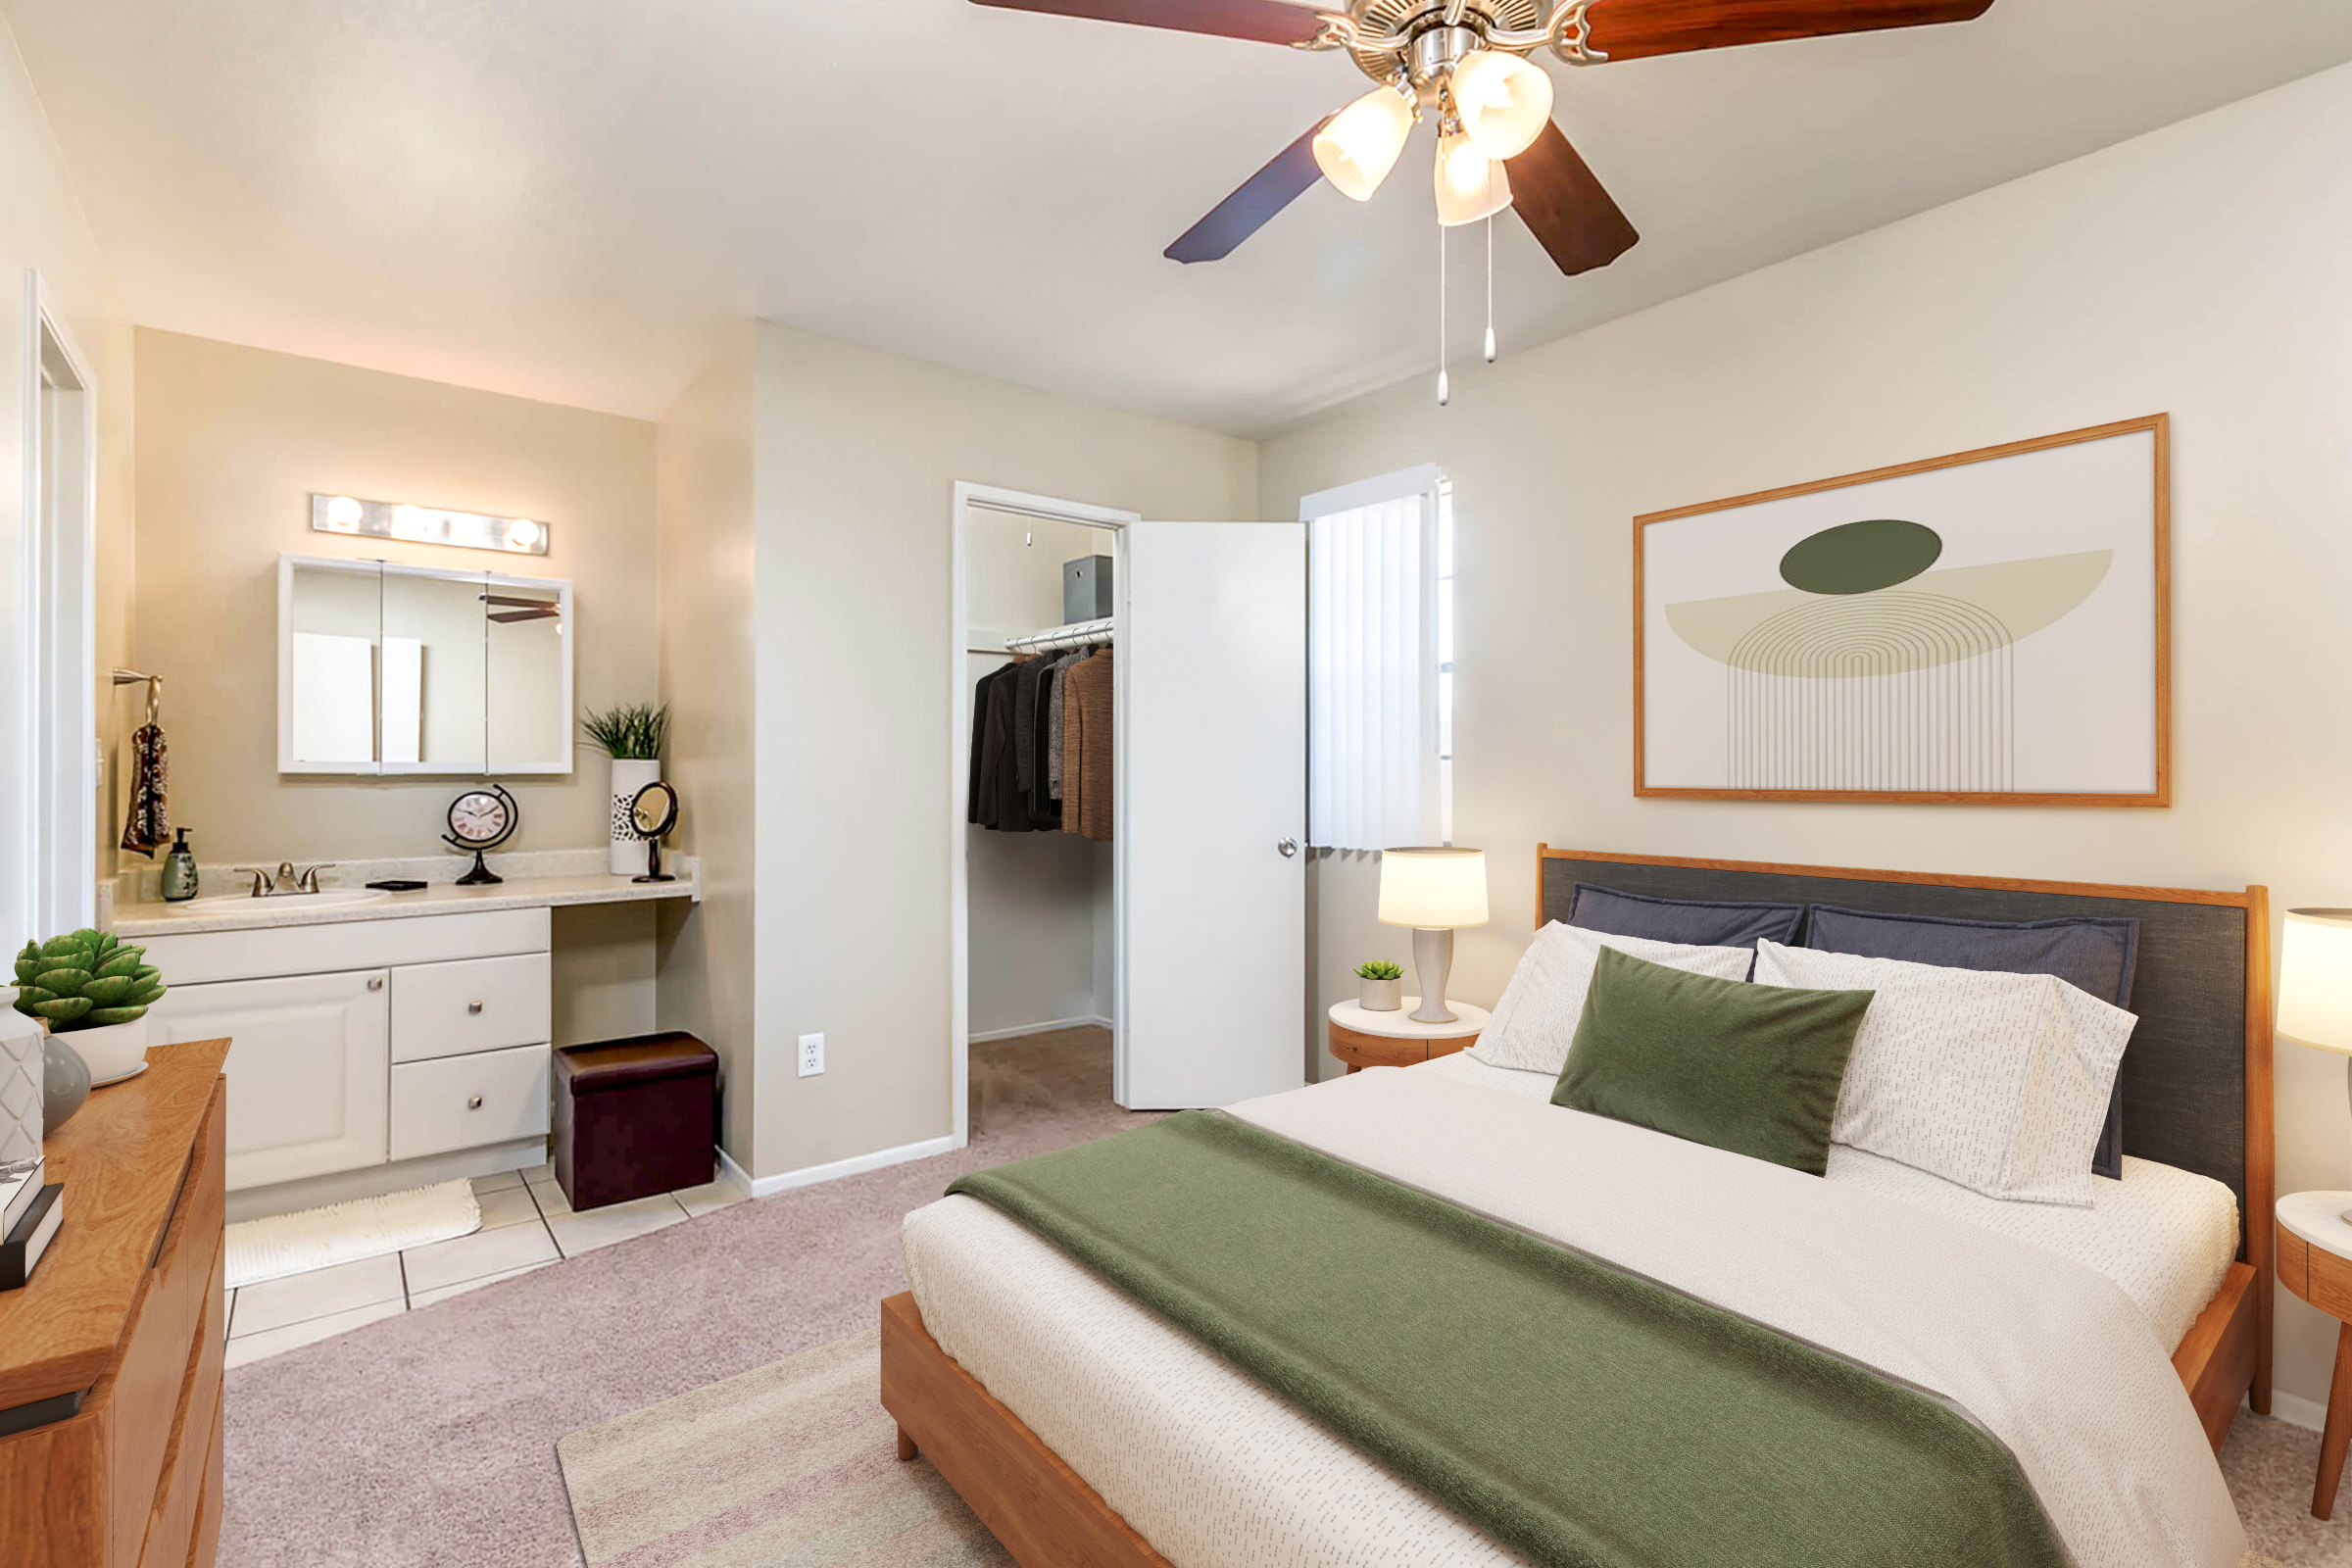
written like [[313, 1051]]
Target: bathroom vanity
[[378, 1045]]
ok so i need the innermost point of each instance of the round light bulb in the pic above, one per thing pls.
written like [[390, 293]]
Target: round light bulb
[[1505, 101], [1470, 184], [523, 533], [1360, 146], [344, 513], [408, 523]]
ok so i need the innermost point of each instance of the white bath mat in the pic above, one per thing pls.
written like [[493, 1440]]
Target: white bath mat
[[344, 1232]]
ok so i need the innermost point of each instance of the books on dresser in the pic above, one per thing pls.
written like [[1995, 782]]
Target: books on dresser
[[20, 1253], [20, 1183]]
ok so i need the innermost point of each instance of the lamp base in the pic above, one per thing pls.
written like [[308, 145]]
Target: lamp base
[[1433, 962]]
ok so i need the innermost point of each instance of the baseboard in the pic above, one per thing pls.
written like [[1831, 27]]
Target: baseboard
[[2296, 1410], [811, 1175], [1014, 1033]]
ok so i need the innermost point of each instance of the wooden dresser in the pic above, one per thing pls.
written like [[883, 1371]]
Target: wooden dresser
[[110, 1359]]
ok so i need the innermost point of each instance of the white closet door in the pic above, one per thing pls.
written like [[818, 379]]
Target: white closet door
[[1212, 794]]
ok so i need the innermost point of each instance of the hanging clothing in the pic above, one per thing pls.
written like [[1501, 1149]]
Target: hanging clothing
[[1025, 715], [972, 805], [995, 732], [1054, 693], [148, 824], [1086, 748]]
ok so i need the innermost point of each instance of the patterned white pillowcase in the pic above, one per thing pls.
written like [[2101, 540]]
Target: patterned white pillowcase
[[1992, 1080], [1535, 1022]]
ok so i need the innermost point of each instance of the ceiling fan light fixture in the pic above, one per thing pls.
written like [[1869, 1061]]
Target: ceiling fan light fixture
[[1503, 101], [1470, 185], [1360, 146]]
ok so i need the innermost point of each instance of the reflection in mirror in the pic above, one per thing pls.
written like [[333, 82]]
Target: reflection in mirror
[[335, 614], [529, 710], [435, 661]]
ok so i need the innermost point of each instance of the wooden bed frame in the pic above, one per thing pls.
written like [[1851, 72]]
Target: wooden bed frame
[[1048, 1517]]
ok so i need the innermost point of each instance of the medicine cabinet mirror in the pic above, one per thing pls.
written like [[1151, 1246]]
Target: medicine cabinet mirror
[[385, 668]]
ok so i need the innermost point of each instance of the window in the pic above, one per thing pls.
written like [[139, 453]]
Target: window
[[1380, 662]]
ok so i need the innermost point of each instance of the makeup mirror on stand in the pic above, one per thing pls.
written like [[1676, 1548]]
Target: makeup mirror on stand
[[653, 811]]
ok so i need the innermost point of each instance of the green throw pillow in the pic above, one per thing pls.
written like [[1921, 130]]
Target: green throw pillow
[[1752, 1068]]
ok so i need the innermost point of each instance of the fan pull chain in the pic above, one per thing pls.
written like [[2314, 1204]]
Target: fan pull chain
[[1490, 288], [1445, 382]]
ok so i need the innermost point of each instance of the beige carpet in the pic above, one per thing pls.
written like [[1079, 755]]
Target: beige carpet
[[794, 1463]]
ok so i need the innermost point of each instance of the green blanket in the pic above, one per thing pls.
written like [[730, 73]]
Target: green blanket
[[1582, 1415]]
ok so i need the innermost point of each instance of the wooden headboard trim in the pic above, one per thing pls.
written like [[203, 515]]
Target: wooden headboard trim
[[2261, 1132]]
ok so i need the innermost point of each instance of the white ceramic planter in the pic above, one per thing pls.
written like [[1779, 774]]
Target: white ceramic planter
[[113, 1053], [21, 1077], [629, 775], [1380, 995]]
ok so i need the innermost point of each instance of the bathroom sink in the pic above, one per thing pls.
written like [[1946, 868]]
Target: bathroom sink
[[246, 903]]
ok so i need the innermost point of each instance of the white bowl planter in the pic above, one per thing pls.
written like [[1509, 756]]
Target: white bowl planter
[[629, 775], [1381, 995], [113, 1053]]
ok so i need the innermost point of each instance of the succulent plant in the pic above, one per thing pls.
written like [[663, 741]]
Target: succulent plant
[[1379, 969], [85, 981]]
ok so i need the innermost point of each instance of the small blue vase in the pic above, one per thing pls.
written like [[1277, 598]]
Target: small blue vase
[[65, 1084]]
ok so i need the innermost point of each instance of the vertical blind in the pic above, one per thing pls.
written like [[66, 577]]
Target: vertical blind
[[1371, 670]]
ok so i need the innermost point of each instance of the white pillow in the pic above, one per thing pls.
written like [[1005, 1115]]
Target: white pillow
[[1535, 1022], [1996, 1081]]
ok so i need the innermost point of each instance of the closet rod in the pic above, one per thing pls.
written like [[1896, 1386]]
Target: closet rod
[[1075, 635]]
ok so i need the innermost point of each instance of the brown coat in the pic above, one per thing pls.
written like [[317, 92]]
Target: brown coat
[[1086, 749]]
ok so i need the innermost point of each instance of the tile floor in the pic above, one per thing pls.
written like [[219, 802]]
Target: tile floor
[[525, 1225]]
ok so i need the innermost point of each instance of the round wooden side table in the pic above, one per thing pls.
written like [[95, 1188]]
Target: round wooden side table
[[1363, 1039], [2315, 1261]]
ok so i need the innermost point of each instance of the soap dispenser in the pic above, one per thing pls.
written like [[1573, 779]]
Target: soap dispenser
[[179, 871]]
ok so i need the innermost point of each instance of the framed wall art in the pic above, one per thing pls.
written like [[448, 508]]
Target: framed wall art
[[1989, 627]]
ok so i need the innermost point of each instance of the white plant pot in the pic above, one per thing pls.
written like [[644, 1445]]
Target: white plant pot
[[629, 775], [20, 1082], [113, 1053], [1380, 995]]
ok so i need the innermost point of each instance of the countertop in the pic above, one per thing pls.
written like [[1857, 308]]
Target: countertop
[[144, 919]]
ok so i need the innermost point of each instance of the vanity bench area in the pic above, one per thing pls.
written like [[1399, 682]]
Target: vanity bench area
[[377, 1045]]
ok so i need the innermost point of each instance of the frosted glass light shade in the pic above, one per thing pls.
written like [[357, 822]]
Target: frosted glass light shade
[[1433, 889], [2314, 980], [1358, 148], [1505, 101], [1470, 185]]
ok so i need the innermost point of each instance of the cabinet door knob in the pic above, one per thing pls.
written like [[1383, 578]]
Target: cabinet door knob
[[475, 1103], [375, 982], [473, 1007]]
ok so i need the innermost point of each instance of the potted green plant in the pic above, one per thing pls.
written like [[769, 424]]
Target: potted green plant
[[632, 736], [1382, 986], [90, 986]]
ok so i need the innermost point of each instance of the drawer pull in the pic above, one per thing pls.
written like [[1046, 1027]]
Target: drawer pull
[[473, 1103], [473, 1007], [375, 982]]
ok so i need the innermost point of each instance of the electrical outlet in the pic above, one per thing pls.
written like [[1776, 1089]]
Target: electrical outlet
[[813, 1055]]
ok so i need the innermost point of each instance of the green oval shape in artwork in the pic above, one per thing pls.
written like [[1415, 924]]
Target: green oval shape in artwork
[[1857, 558]]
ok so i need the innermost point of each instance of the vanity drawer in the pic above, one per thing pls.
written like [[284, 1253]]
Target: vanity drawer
[[491, 1096], [453, 1010]]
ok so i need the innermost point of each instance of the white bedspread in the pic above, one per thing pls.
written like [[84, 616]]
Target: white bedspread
[[2047, 1354]]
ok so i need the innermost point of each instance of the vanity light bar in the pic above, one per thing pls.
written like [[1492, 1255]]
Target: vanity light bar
[[427, 525]]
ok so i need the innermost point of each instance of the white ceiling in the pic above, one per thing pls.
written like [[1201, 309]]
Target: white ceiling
[[560, 198]]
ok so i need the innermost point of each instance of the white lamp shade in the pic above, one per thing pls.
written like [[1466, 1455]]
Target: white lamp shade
[[1358, 148], [1505, 101], [1470, 185], [1433, 889], [2314, 980]]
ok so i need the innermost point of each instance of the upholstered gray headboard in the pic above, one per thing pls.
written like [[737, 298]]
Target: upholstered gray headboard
[[2197, 1074]]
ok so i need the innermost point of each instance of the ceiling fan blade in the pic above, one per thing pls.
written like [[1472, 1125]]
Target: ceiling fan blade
[[1254, 206], [510, 617], [1259, 21], [1559, 198], [1634, 30]]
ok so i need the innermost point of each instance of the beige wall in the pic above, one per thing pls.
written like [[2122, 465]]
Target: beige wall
[[232, 442], [704, 469], [42, 227], [856, 459], [2198, 270]]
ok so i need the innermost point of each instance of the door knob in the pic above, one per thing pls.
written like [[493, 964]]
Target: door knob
[[475, 1103], [473, 1007], [375, 982], [1285, 848]]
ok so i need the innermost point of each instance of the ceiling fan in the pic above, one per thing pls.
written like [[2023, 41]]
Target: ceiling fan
[[519, 609], [1463, 63]]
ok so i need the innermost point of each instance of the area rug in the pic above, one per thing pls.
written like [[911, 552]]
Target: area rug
[[271, 1249], [796, 1462]]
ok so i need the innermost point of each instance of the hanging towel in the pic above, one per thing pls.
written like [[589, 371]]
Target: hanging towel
[[149, 823], [1086, 748]]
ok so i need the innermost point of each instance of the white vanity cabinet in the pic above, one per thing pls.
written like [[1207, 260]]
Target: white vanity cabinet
[[370, 1056]]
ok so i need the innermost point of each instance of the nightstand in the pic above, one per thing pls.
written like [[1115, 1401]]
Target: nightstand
[[1362, 1038], [2315, 1261]]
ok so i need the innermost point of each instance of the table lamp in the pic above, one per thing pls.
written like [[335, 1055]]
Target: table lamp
[[1432, 891], [2315, 984]]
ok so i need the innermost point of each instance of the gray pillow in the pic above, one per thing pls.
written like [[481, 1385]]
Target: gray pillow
[[1690, 921], [2095, 955]]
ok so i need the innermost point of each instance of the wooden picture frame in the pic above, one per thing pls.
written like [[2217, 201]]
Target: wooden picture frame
[[1766, 759]]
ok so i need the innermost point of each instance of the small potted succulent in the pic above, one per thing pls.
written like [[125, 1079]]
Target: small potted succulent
[[1382, 986], [90, 986]]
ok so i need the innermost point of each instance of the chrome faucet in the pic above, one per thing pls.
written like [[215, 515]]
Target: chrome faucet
[[287, 882]]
